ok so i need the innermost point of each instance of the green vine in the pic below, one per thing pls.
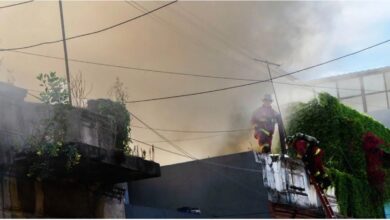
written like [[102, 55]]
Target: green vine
[[340, 130]]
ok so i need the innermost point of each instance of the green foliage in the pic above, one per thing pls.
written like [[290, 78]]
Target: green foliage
[[117, 111], [48, 144], [55, 89], [340, 130]]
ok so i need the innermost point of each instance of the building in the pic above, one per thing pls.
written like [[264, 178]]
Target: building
[[278, 189], [242, 185], [92, 189], [366, 91]]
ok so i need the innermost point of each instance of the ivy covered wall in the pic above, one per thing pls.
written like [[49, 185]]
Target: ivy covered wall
[[340, 130]]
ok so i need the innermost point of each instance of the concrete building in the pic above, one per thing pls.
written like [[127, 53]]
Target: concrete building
[[93, 188], [223, 192], [243, 185], [366, 91]]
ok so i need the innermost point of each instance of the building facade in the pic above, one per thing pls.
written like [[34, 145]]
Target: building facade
[[92, 189], [243, 185]]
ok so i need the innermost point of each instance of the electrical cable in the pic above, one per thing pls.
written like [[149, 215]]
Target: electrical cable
[[160, 148], [179, 31], [222, 38], [202, 162], [188, 154], [89, 33], [174, 72], [136, 68], [260, 81], [195, 131], [188, 139], [187, 36], [16, 4]]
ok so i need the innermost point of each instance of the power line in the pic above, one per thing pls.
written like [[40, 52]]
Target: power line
[[178, 31], [189, 155], [151, 145], [217, 173], [159, 135], [173, 72], [136, 68], [188, 139], [195, 131], [187, 36], [260, 81], [222, 38], [16, 4], [89, 33]]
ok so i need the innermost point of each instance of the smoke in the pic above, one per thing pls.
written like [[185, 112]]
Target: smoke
[[217, 41]]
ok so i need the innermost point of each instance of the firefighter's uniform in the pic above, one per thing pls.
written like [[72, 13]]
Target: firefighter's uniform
[[307, 149], [264, 119]]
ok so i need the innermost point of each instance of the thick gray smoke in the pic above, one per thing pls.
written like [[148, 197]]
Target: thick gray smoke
[[209, 38]]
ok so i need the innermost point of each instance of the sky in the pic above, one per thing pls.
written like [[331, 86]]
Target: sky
[[208, 38]]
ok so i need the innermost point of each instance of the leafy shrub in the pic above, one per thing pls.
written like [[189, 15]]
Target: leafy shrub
[[48, 144], [340, 130]]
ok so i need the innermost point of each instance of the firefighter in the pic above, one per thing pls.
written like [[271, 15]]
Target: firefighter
[[307, 149], [264, 119]]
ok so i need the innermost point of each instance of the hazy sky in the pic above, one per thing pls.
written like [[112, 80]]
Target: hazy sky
[[208, 38]]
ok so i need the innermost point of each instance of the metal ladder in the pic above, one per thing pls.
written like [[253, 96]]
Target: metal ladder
[[324, 200]]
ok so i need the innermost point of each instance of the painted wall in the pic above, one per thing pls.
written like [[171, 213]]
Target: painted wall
[[217, 191]]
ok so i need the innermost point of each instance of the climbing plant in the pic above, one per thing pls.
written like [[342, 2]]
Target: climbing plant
[[340, 130], [48, 143]]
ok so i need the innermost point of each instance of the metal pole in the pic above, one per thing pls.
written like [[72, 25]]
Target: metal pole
[[65, 53], [282, 133]]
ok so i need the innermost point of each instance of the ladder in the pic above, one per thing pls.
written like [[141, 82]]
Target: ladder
[[324, 200]]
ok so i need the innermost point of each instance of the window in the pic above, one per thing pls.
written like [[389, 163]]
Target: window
[[355, 103], [349, 87], [376, 102], [373, 83], [327, 87]]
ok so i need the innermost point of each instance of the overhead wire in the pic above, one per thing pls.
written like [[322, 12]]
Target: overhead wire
[[260, 81], [16, 4], [136, 68], [174, 72], [89, 33], [187, 36], [180, 149], [180, 32], [222, 37], [215, 164], [195, 131], [160, 148], [188, 139]]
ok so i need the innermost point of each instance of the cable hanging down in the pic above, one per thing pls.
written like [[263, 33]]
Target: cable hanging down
[[90, 33]]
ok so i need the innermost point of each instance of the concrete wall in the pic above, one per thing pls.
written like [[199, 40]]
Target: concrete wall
[[24, 197], [216, 191]]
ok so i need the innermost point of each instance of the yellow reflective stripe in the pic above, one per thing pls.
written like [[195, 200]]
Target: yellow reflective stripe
[[265, 131], [317, 151]]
